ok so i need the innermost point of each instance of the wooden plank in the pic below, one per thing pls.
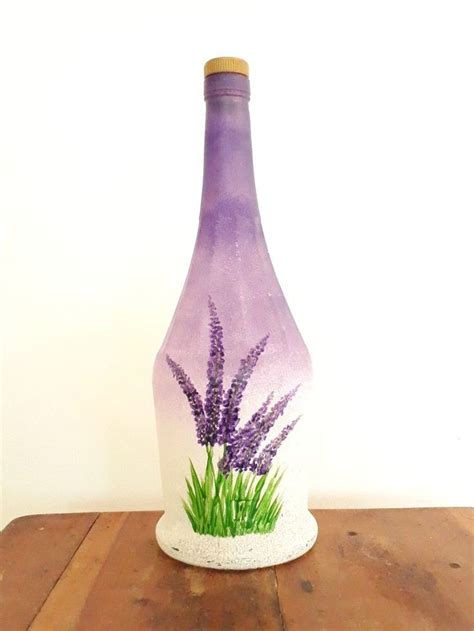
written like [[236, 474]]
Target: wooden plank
[[383, 570], [370, 570], [139, 587], [34, 551], [63, 606]]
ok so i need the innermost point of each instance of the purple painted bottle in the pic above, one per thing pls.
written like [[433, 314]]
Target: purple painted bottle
[[232, 378]]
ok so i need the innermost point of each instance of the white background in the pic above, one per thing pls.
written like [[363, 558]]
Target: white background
[[363, 137]]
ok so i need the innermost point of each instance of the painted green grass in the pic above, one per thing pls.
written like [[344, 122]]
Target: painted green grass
[[234, 504]]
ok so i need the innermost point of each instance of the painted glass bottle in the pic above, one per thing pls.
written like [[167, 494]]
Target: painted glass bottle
[[232, 378]]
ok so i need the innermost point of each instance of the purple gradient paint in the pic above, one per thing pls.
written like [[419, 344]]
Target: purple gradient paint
[[231, 378]]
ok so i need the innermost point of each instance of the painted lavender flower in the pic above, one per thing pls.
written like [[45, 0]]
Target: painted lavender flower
[[239, 496]]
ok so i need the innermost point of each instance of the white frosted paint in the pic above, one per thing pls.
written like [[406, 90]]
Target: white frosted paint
[[293, 536]]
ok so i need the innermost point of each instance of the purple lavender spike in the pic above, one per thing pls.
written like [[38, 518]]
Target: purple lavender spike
[[262, 463], [243, 447], [215, 374], [233, 453], [225, 463], [194, 399], [251, 437], [276, 411], [255, 419], [231, 406]]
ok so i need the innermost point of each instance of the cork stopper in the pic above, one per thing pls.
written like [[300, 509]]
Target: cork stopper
[[226, 64]]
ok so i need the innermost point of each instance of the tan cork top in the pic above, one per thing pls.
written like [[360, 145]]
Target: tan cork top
[[226, 64]]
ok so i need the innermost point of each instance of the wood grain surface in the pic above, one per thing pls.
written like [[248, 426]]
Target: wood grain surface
[[34, 552], [390, 569]]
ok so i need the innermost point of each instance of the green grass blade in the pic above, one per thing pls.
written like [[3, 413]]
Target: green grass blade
[[190, 515], [191, 494], [232, 504], [196, 483], [238, 486], [255, 500], [260, 516], [208, 489], [199, 497]]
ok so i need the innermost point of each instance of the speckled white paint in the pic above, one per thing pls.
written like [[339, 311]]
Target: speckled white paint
[[294, 535]]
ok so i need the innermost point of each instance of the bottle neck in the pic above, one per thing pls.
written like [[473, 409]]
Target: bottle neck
[[229, 201]]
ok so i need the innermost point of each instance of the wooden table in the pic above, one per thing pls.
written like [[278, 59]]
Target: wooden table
[[400, 569]]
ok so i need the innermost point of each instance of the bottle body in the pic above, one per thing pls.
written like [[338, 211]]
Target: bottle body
[[232, 379]]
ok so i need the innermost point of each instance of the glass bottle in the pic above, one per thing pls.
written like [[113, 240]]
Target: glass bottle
[[232, 378]]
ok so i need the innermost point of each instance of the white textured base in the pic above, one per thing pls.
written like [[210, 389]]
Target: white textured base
[[291, 538]]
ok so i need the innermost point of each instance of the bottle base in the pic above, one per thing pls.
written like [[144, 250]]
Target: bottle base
[[290, 539]]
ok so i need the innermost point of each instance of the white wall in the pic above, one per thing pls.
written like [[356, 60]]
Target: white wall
[[364, 167]]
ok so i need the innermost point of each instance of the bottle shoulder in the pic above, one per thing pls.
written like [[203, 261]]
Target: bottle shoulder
[[243, 319], [232, 269]]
